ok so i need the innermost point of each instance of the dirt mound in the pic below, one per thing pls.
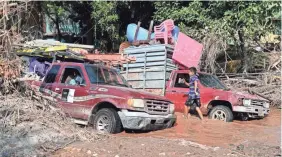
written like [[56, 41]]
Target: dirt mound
[[29, 128]]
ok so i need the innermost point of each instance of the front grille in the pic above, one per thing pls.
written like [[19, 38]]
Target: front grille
[[156, 107], [257, 102]]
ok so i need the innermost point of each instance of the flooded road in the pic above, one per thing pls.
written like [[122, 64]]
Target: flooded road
[[190, 137], [217, 133]]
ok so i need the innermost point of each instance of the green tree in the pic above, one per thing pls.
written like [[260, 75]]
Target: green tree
[[106, 19], [240, 24], [55, 11]]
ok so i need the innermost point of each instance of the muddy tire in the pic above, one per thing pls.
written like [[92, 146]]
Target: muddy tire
[[107, 121], [222, 113]]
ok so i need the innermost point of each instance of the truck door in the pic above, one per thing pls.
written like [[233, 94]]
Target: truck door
[[46, 88], [74, 97], [177, 90]]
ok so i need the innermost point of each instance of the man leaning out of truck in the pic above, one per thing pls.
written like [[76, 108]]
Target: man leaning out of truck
[[193, 94]]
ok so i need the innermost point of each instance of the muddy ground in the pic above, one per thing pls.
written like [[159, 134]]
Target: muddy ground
[[190, 138], [32, 128]]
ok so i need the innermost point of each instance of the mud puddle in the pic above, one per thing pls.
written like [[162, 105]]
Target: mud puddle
[[217, 133]]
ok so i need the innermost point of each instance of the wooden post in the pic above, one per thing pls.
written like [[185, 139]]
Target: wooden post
[[137, 30], [150, 30]]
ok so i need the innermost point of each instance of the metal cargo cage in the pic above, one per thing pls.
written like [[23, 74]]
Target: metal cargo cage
[[152, 67]]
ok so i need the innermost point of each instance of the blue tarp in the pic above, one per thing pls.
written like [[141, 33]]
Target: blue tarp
[[38, 67]]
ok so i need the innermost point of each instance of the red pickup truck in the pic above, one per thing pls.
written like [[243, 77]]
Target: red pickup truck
[[155, 70], [97, 95], [217, 101]]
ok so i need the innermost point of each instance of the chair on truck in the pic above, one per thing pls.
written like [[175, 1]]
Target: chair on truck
[[164, 31]]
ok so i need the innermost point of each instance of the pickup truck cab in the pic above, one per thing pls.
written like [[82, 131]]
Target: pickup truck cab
[[217, 101], [97, 95]]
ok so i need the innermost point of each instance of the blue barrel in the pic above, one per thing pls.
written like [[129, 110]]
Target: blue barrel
[[142, 33]]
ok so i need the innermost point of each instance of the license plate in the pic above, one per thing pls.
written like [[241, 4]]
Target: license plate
[[160, 121]]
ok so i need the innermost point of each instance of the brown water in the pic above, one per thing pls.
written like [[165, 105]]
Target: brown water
[[217, 133], [256, 138]]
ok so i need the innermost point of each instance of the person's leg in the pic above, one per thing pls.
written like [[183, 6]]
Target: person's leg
[[198, 105], [200, 113], [186, 109]]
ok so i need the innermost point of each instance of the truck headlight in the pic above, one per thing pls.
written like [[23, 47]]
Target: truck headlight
[[136, 103], [266, 105], [246, 102], [171, 108]]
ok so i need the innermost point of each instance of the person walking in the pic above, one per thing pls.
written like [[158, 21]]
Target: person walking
[[193, 94]]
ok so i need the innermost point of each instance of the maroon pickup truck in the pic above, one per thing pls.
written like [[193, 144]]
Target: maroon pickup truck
[[97, 95], [161, 69]]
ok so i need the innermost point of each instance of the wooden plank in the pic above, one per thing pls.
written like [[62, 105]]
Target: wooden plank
[[140, 42], [48, 43], [137, 70], [141, 79], [150, 64], [150, 59], [149, 76], [160, 53], [147, 48], [142, 64]]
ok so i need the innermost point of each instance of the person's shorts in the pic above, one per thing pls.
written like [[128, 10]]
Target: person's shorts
[[190, 102]]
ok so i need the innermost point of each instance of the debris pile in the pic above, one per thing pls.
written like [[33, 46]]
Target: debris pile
[[29, 128], [270, 92], [9, 34], [266, 85]]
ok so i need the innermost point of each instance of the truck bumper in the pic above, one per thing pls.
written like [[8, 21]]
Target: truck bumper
[[144, 121], [252, 111]]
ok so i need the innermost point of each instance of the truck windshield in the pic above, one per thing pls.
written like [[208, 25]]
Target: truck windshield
[[211, 81], [104, 76]]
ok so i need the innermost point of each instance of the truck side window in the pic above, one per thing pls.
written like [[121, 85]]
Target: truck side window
[[95, 74], [111, 77], [178, 81], [71, 76], [51, 75]]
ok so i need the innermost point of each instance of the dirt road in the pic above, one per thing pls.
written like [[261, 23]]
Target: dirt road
[[191, 138]]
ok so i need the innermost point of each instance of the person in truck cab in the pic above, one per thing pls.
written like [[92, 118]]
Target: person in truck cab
[[73, 79], [193, 94]]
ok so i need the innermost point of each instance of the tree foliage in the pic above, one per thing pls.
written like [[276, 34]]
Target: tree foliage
[[241, 24], [55, 11], [106, 19]]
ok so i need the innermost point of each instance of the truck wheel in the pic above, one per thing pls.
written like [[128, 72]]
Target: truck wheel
[[222, 113], [107, 120]]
